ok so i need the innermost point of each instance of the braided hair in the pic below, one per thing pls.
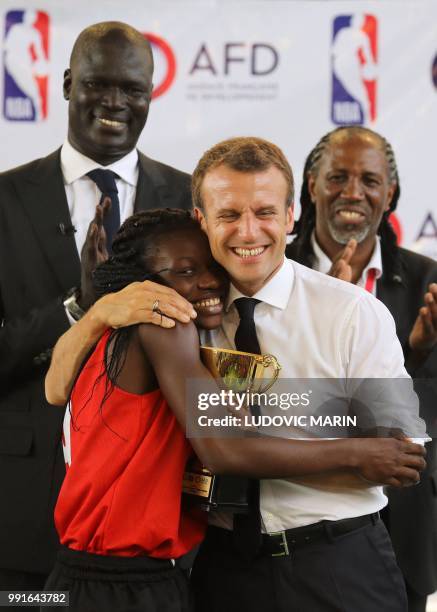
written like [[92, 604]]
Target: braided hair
[[131, 249], [304, 228]]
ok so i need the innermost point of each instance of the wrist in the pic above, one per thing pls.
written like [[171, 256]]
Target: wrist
[[352, 454], [96, 320]]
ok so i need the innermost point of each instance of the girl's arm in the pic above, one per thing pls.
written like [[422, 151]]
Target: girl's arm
[[174, 356]]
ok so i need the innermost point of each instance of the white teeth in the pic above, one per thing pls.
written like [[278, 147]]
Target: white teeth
[[248, 252], [350, 214], [206, 303], [111, 123]]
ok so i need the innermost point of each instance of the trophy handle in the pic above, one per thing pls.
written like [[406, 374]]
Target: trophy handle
[[269, 361]]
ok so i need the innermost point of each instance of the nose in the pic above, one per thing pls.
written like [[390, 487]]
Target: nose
[[113, 97], [209, 280], [353, 189], [248, 227]]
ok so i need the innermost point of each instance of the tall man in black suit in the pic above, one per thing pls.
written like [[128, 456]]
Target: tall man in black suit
[[45, 209], [350, 187]]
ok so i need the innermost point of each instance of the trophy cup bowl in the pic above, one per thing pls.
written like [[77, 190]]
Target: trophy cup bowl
[[244, 373], [240, 371]]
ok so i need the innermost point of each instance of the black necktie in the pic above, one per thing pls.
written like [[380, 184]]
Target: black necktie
[[247, 527], [105, 181]]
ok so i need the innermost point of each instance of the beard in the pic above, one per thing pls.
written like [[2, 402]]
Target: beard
[[344, 234]]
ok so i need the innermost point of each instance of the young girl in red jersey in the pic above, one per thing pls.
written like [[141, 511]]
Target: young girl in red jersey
[[119, 515]]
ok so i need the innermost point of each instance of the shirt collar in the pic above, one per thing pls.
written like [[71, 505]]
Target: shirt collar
[[75, 165], [323, 264], [275, 292]]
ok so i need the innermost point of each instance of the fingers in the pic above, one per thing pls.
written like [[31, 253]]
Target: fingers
[[147, 302], [393, 482], [349, 250], [414, 461], [413, 448], [341, 267], [103, 208], [171, 304], [342, 271], [161, 321], [346, 253], [407, 475]]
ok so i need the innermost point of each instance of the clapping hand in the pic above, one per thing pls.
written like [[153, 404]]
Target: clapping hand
[[341, 267], [423, 336], [94, 252]]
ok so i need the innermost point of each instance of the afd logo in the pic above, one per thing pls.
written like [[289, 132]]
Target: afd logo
[[165, 64], [25, 56], [354, 57]]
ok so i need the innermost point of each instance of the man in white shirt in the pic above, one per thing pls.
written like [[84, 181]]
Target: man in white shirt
[[337, 554], [323, 546], [45, 209]]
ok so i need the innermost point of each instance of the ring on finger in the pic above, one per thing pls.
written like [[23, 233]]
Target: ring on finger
[[155, 306]]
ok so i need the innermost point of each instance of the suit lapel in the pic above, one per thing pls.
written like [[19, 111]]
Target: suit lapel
[[152, 190], [43, 197]]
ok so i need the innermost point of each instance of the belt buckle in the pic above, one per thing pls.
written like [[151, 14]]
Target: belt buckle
[[285, 552]]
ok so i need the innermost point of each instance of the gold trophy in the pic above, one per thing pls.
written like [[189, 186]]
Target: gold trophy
[[243, 373]]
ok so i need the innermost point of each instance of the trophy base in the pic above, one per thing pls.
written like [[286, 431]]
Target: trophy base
[[212, 492]]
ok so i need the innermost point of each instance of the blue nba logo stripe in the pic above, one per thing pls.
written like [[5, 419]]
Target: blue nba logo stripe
[[354, 69], [26, 53]]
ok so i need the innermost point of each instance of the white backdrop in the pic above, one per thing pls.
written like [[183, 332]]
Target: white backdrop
[[244, 67]]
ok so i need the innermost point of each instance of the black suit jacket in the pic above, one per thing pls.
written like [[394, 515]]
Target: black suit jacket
[[413, 511], [38, 264]]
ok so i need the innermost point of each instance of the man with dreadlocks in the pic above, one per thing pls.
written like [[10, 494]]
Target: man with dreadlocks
[[350, 187]]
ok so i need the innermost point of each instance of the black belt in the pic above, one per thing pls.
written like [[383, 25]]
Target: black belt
[[279, 543]]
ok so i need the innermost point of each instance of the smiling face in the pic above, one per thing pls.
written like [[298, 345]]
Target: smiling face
[[246, 219], [351, 191], [183, 259], [108, 87]]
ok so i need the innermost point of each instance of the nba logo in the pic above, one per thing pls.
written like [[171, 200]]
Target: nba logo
[[25, 53], [354, 66]]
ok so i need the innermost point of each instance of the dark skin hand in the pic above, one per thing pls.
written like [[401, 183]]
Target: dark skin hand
[[94, 252], [341, 264], [423, 336], [135, 304], [166, 359]]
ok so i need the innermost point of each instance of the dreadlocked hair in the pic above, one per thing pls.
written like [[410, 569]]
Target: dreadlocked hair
[[129, 263], [304, 228]]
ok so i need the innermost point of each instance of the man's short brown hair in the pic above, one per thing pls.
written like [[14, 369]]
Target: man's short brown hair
[[243, 154]]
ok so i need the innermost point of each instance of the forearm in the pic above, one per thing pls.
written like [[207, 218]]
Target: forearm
[[275, 457], [69, 353]]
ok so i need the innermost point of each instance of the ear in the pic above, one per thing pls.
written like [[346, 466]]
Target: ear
[[390, 194], [200, 217], [289, 222], [311, 188], [67, 84]]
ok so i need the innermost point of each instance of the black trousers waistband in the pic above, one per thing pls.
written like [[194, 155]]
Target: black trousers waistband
[[79, 563], [280, 543]]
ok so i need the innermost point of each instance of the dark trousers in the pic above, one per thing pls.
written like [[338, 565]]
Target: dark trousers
[[416, 602], [355, 572], [99, 583], [12, 580]]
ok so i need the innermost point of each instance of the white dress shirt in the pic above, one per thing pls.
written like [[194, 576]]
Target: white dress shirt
[[83, 195], [323, 264], [316, 326]]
